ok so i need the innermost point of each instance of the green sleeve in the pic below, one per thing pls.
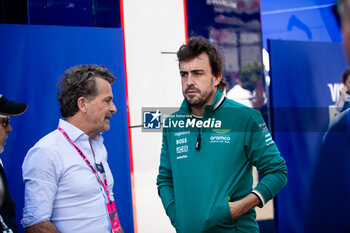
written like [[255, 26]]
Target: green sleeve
[[262, 152], [165, 182]]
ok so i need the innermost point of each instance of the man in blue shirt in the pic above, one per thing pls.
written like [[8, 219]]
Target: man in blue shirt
[[68, 183]]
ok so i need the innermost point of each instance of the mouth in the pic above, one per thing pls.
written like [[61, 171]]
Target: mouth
[[192, 91], [108, 117]]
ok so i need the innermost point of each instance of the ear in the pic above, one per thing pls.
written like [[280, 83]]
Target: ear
[[81, 102], [217, 80]]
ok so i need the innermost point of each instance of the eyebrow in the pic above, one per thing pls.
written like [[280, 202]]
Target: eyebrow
[[192, 71], [108, 98], [195, 71]]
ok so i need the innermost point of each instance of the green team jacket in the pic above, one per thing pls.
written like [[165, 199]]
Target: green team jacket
[[195, 185]]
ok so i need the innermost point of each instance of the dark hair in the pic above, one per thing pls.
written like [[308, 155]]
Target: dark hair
[[198, 45], [345, 76], [79, 81], [342, 10]]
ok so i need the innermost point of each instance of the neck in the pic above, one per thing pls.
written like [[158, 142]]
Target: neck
[[79, 122]]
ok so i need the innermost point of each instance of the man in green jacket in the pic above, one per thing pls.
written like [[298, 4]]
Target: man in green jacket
[[209, 148]]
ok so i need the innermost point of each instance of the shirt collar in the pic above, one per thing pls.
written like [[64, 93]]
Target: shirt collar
[[75, 133]]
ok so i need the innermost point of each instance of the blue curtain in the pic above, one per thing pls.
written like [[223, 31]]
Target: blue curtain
[[32, 59], [300, 96]]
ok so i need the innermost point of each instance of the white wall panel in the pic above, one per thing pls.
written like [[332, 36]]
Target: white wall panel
[[154, 30]]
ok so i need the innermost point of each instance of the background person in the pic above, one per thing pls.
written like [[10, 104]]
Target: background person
[[328, 208], [240, 94], [343, 102], [8, 108]]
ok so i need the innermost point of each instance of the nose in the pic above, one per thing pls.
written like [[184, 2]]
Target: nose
[[8, 128], [113, 108], [190, 79]]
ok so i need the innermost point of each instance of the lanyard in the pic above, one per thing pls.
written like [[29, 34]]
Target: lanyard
[[6, 229], [104, 182]]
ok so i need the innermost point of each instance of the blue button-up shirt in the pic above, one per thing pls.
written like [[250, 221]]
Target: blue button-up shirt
[[61, 188]]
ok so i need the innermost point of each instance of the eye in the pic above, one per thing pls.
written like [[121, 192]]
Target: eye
[[198, 73], [183, 74], [108, 100]]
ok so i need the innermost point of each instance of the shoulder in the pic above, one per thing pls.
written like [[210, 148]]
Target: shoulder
[[50, 141], [236, 116], [239, 109], [45, 150]]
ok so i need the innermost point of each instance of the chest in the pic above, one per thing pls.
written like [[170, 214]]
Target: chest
[[76, 177], [207, 149]]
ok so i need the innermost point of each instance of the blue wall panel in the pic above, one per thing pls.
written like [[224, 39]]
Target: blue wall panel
[[297, 82], [32, 59], [300, 96], [304, 20]]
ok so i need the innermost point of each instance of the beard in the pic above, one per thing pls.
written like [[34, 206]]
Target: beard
[[199, 101], [1, 148], [202, 99]]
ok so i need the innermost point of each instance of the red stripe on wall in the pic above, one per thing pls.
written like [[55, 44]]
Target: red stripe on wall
[[185, 15], [128, 116]]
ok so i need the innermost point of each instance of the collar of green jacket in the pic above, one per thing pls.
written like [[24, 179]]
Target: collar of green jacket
[[209, 108]]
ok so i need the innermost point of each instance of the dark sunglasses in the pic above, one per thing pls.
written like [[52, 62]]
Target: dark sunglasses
[[6, 121]]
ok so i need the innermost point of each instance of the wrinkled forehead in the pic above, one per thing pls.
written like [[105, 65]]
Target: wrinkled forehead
[[201, 60]]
